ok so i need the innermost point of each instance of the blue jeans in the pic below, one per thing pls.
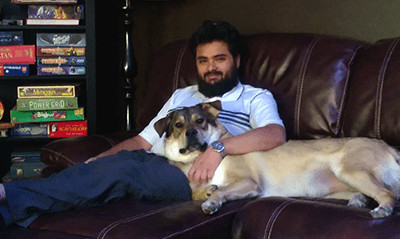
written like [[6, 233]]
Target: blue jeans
[[128, 173]]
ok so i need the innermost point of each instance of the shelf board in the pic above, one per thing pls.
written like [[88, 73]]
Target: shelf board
[[27, 139], [39, 78], [48, 27]]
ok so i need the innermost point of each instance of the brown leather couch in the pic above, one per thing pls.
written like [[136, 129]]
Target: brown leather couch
[[325, 87]]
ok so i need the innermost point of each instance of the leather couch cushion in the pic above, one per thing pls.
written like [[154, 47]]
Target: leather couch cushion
[[132, 218], [373, 97], [278, 217]]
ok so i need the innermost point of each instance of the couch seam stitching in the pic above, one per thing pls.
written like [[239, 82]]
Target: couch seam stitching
[[341, 107], [59, 155], [200, 224], [178, 64], [303, 71], [111, 226], [274, 217], [381, 79]]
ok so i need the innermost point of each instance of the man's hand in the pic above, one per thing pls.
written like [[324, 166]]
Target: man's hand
[[204, 167]]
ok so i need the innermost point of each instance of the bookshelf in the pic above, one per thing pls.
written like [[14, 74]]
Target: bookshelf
[[8, 84]]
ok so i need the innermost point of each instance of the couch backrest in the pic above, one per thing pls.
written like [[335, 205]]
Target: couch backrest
[[373, 102], [310, 77]]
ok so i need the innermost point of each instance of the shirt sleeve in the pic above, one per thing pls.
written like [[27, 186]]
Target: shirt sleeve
[[264, 110]]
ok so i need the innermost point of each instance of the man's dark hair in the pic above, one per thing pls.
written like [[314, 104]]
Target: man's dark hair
[[218, 30]]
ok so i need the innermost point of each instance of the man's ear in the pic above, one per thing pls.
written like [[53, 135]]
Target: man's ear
[[162, 125], [237, 61], [212, 108]]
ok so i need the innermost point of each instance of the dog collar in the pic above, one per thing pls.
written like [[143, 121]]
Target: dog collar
[[219, 147]]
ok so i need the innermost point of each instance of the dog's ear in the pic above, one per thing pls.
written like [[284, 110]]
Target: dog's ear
[[162, 125], [212, 108]]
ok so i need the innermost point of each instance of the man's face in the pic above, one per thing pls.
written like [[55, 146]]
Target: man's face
[[215, 67]]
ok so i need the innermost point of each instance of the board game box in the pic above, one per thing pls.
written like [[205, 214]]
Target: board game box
[[26, 165], [60, 39], [67, 129], [45, 116], [46, 11], [61, 70], [9, 38], [22, 54], [30, 129], [48, 91], [29, 104], [61, 51], [62, 61], [14, 70]]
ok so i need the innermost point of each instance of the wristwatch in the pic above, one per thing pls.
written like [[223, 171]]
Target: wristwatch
[[219, 147]]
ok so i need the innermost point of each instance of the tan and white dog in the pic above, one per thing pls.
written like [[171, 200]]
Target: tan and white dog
[[299, 168]]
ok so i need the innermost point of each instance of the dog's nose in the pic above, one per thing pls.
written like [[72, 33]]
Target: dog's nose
[[191, 132]]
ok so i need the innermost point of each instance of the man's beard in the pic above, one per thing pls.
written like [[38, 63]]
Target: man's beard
[[218, 88]]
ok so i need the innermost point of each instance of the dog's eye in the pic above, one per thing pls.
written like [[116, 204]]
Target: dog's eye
[[200, 121], [178, 125]]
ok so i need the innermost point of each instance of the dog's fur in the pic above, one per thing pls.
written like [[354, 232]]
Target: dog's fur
[[299, 168]]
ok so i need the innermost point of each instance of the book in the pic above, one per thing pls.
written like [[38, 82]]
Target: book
[[61, 51], [59, 22], [22, 54], [62, 61], [44, 1], [48, 91], [61, 70], [29, 104], [67, 129], [10, 38], [55, 12], [46, 116], [30, 129], [14, 70], [60, 39]]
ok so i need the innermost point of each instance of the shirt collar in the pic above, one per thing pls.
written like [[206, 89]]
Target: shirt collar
[[231, 95]]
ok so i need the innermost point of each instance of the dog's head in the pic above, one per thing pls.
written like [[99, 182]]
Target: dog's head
[[190, 130]]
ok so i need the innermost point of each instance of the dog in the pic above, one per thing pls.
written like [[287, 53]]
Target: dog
[[320, 168]]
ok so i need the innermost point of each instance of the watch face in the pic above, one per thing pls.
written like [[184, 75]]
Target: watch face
[[218, 146]]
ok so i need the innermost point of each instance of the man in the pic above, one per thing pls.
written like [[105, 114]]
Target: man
[[248, 113]]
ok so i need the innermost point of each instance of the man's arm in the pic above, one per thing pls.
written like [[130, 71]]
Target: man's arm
[[260, 139], [134, 143]]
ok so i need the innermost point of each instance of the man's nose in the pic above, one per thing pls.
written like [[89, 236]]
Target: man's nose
[[212, 66]]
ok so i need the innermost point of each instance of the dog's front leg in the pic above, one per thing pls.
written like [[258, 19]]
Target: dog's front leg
[[237, 190]]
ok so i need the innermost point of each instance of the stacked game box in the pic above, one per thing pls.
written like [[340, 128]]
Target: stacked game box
[[61, 53], [50, 110], [15, 57]]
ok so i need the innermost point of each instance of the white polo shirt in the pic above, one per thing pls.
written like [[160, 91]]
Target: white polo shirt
[[243, 108]]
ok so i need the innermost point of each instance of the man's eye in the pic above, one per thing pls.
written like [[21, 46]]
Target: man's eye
[[178, 125], [200, 121]]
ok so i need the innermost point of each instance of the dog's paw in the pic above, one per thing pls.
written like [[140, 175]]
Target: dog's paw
[[210, 207], [381, 212], [358, 201]]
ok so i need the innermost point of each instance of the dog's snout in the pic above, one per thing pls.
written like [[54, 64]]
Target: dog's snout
[[191, 132]]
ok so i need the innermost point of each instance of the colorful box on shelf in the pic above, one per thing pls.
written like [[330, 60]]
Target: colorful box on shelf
[[22, 54], [46, 116], [67, 129]]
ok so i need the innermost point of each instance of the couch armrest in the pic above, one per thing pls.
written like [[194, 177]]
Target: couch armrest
[[62, 153]]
